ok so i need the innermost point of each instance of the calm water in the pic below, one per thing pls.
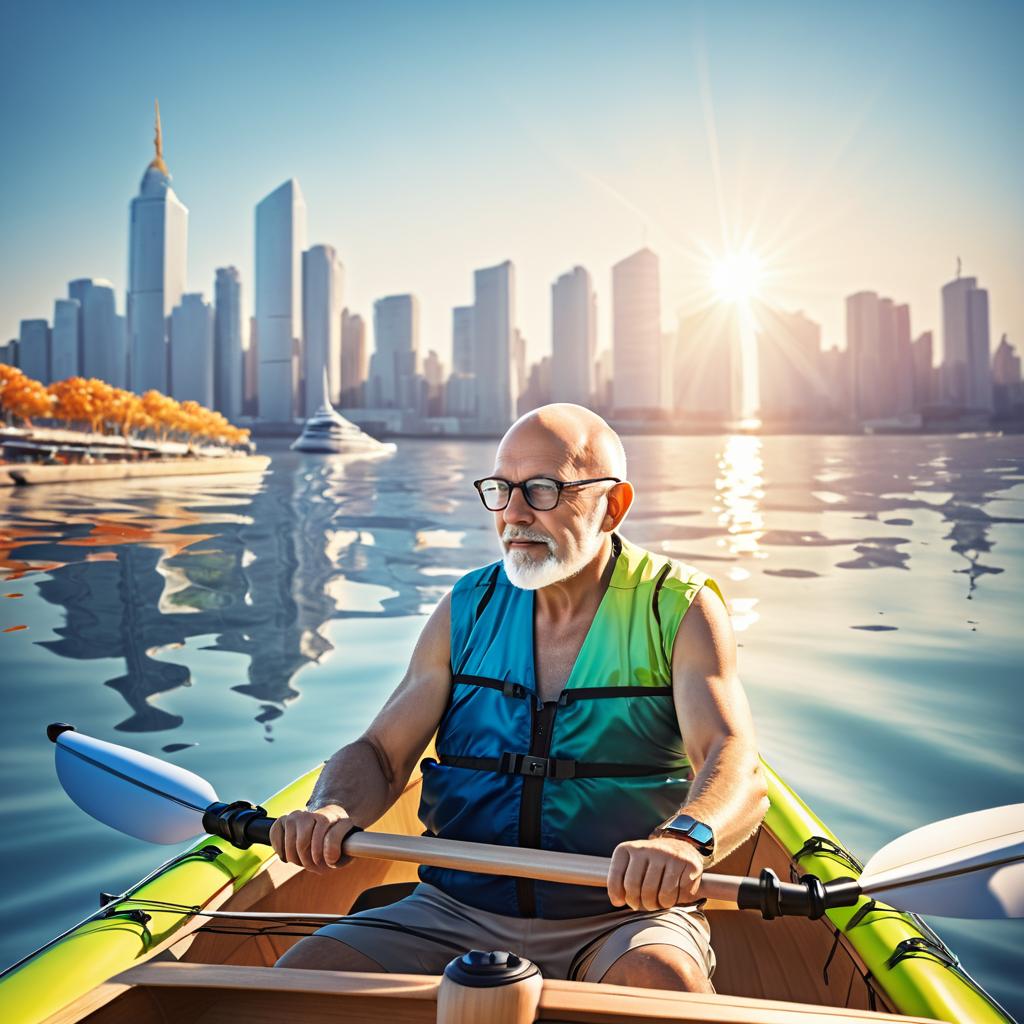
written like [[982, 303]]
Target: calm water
[[247, 627]]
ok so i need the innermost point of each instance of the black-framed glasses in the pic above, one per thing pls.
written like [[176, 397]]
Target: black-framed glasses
[[541, 492]]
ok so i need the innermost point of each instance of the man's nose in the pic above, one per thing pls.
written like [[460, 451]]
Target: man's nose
[[518, 509]]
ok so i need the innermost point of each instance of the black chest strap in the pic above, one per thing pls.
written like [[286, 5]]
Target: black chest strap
[[511, 763]]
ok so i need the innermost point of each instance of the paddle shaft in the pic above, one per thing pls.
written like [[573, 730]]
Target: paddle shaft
[[243, 824], [542, 865]]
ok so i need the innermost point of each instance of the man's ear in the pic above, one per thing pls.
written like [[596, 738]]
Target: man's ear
[[620, 498]]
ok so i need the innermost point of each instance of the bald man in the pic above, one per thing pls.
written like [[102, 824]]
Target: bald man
[[584, 696]]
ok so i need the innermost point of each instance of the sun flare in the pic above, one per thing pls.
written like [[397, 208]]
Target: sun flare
[[737, 276]]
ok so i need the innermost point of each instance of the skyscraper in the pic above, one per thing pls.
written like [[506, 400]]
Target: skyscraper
[[790, 377], [104, 345], [880, 358], [322, 283], [280, 241], [77, 290], [966, 367], [353, 359], [863, 343], [537, 390], [462, 339], [1006, 364], [636, 333], [157, 257], [1007, 389], [192, 350], [518, 361], [34, 350], [922, 359], [433, 375], [65, 342], [227, 342], [573, 337], [836, 376], [395, 360], [493, 351], [900, 365], [707, 367], [460, 396], [250, 371]]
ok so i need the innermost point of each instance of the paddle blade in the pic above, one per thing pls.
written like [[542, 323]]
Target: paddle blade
[[969, 866], [133, 792]]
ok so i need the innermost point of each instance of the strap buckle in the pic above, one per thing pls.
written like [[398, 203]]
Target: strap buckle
[[536, 767]]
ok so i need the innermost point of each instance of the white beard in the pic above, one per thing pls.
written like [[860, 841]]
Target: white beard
[[527, 573]]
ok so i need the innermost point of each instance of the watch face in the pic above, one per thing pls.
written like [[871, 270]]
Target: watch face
[[701, 833], [682, 823]]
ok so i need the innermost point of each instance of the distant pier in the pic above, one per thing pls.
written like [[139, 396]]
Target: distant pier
[[16, 474], [49, 455]]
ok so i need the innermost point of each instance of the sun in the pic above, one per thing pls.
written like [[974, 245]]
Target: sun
[[737, 276]]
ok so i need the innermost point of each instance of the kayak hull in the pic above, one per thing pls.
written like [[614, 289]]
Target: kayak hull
[[853, 961]]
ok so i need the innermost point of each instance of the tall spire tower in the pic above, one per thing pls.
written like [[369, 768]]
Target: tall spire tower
[[158, 239], [158, 143]]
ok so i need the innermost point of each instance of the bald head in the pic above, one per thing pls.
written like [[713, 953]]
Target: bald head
[[568, 434]]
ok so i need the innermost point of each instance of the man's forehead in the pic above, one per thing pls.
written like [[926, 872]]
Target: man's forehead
[[558, 440], [525, 456]]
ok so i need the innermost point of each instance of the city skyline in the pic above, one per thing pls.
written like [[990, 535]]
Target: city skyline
[[740, 359], [581, 176]]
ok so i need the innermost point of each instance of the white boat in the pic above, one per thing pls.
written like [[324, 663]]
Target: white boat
[[327, 432]]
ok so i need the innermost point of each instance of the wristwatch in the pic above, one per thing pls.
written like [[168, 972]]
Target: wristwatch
[[685, 826]]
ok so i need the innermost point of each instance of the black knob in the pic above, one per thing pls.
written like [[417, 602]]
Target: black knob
[[483, 969]]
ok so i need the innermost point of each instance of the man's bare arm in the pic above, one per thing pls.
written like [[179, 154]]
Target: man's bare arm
[[729, 791], [364, 778]]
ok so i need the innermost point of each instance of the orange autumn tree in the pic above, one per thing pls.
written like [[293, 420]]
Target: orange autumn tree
[[23, 396], [160, 409], [73, 401], [8, 374], [126, 411], [100, 407]]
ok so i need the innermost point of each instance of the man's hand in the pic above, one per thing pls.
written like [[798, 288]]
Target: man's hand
[[654, 874], [312, 838]]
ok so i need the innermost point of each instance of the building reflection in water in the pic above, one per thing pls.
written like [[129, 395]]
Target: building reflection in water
[[254, 566], [135, 578]]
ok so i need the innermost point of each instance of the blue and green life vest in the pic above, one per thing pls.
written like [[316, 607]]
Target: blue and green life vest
[[603, 764]]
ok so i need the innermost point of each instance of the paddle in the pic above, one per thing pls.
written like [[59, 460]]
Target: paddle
[[969, 866]]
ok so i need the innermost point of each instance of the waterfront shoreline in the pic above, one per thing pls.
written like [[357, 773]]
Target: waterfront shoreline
[[20, 474]]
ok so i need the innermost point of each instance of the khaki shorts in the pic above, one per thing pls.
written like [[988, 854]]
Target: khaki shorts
[[423, 932]]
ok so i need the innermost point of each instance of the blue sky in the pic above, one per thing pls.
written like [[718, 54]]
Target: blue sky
[[856, 145]]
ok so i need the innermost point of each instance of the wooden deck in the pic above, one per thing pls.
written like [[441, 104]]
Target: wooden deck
[[155, 993]]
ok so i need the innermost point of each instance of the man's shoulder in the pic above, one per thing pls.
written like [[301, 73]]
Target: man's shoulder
[[672, 576]]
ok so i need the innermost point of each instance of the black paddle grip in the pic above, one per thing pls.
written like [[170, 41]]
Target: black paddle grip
[[240, 823], [809, 897]]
